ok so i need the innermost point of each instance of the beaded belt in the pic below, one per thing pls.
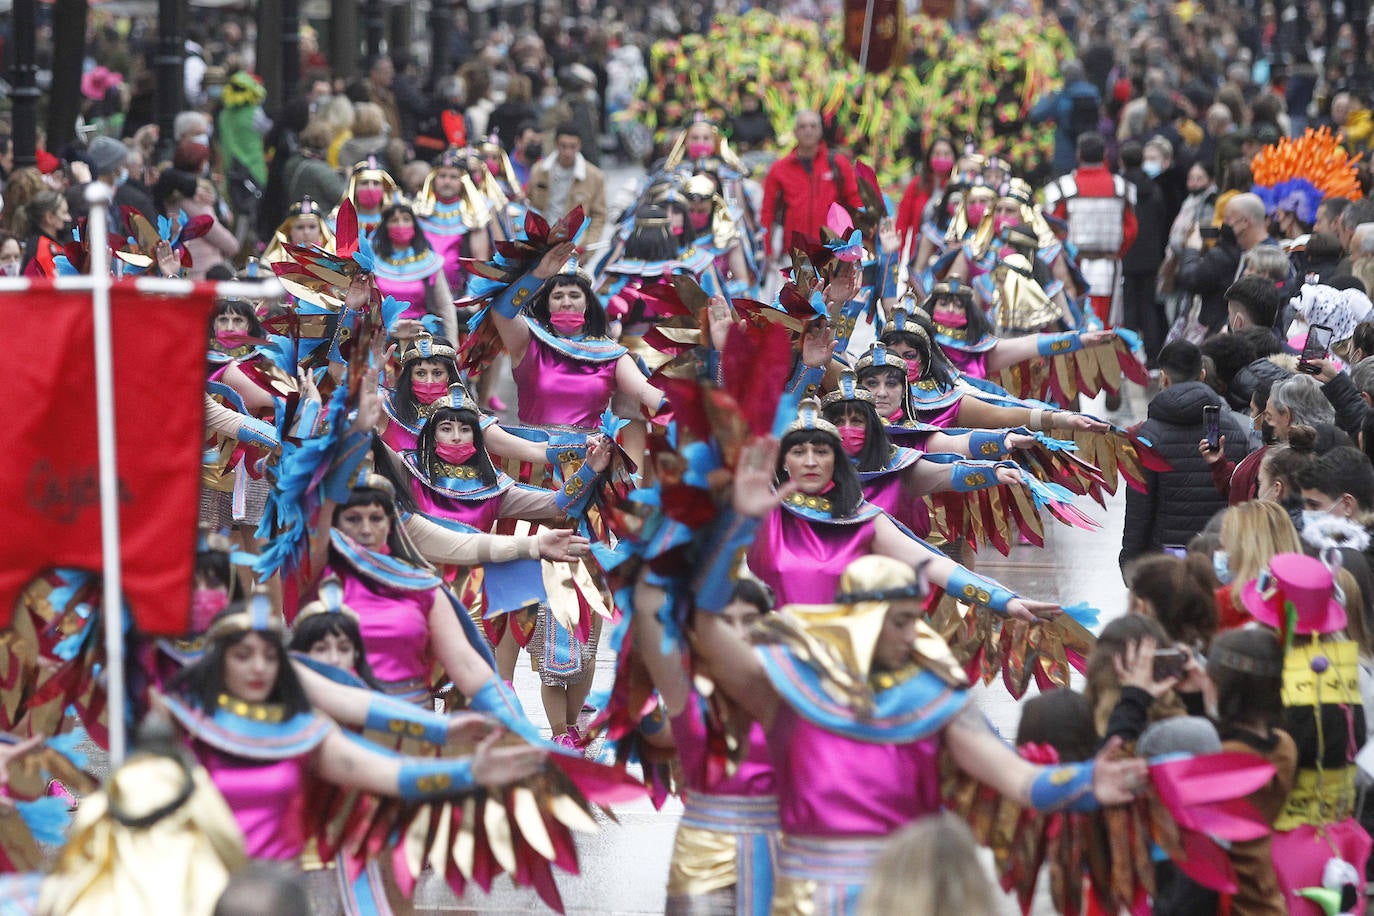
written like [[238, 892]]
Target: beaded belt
[[831, 860], [730, 813]]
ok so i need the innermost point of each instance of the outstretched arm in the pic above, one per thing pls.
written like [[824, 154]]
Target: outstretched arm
[[351, 764], [982, 755]]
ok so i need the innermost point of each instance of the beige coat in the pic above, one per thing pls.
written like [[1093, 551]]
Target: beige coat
[[588, 190]]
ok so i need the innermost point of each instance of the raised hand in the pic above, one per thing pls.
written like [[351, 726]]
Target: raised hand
[[554, 260], [752, 492]]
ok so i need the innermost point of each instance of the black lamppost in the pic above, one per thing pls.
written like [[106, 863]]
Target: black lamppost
[[290, 50], [24, 79], [440, 41], [374, 27], [169, 66]]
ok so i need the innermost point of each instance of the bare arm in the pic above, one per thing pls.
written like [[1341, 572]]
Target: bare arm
[[508, 445], [352, 765], [982, 755], [1013, 350], [449, 641], [665, 665], [736, 668], [439, 300], [631, 381]]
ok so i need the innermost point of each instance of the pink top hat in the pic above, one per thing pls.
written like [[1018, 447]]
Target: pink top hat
[[1303, 581]]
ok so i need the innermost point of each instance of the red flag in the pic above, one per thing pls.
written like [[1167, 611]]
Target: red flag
[[49, 478]]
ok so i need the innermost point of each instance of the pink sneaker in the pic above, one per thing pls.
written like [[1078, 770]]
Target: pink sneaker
[[579, 739], [566, 740], [495, 403]]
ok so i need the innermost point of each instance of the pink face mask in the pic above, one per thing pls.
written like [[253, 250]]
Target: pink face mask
[[428, 392], [456, 453], [913, 371], [231, 340], [699, 220], [698, 150], [369, 198], [567, 322], [976, 212], [401, 236], [852, 439], [494, 166], [942, 165], [1002, 222], [950, 318], [205, 604]]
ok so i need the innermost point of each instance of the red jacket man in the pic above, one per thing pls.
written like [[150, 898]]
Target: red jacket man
[[802, 185]]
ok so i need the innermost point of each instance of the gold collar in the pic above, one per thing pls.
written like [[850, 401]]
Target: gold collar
[[257, 712]]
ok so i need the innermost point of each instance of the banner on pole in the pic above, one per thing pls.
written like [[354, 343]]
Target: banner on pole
[[881, 23], [49, 479]]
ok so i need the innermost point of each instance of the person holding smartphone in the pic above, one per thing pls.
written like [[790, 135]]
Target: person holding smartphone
[[1176, 504]]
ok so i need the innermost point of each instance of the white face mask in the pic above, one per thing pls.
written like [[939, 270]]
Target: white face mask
[[1315, 516], [9, 269]]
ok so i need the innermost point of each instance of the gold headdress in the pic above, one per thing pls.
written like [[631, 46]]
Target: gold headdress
[[809, 417], [330, 601], [849, 390], [257, 616]]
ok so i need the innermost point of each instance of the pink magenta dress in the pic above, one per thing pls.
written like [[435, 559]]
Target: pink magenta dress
[[267, 798], [559, 390], [802, 559]]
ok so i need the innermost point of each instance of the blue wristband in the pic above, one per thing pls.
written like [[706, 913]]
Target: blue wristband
[[422, 780], [258, 432], [338, 483], [1058, 344], [572, 498], [991, 444], [1066, 787], [720, 560], [967, 476], [967, 586], [406, 720], [888, 264], [498, 700], [518, 295], [805, 379]]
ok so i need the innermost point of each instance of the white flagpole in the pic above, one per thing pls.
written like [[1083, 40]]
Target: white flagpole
[[868, 33], [98, 196]]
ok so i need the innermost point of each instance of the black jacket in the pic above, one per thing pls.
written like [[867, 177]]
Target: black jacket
[[1209, 274], [1147, 251], [1178, 503]]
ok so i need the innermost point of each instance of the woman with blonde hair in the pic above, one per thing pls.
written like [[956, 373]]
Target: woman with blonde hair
[[931, 866], [1251, 533], [369, 134]]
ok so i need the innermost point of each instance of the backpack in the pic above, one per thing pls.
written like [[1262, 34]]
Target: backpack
[[1084, 115]]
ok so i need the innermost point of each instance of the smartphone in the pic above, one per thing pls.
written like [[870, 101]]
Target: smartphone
[[1317, 346], [1176, 550], [1211, 427], [1169, 663]]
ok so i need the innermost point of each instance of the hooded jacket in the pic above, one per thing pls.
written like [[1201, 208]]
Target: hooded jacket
[[1178, 503]]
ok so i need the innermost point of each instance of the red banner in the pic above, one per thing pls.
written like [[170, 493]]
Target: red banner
[[49, 479], [883, 21]]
